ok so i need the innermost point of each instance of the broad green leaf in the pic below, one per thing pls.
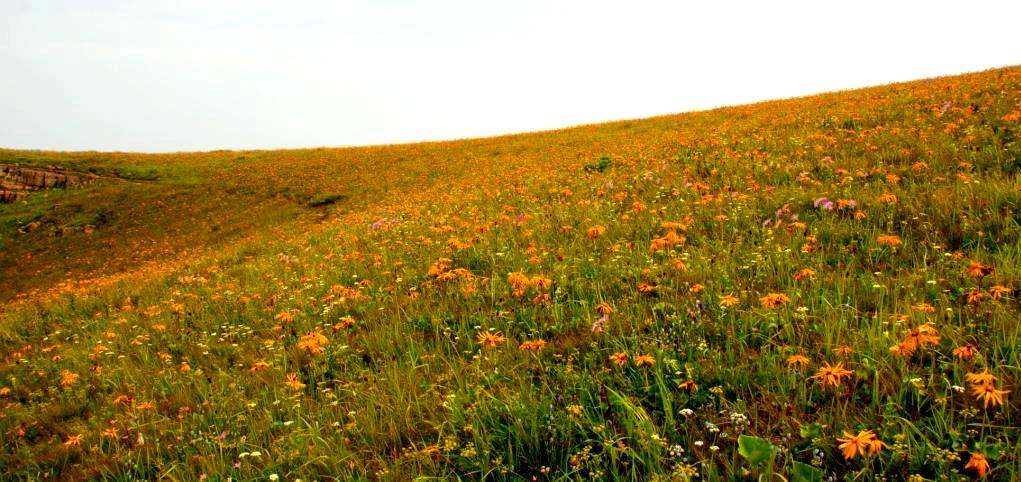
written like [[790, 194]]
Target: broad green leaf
[[755, 449], [811, 431], [802, 472]]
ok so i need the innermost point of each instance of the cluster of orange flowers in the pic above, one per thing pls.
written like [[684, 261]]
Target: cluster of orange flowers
[[922, 336], [983, 389], [669, 240], [520, 283], [532, 345], [804, 273], [890, 240], [774, 300], [313, 342], [621, 358]]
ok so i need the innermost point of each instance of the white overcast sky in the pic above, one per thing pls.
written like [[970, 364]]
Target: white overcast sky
[[204, 74]]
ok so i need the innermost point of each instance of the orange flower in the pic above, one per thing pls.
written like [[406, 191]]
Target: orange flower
[[977, 270], [979, 464], [68, 378], [973, 297], [832, 375], [987, 393], [490, 340], [313, 342], [797, 361], [843, 350], [729, 300], [541, 282], [669, 240], [923, 335], [998, 292], [924, 308], [646, 288], [984, 378], [902, 349], [534, 345], [284, 317], [595, 232], [965, 352], [889, 240], [888, 198], [294, 382], [675, 225], [519, 283], [258, 367], [439, 267], [73, 440], [620, 358], [604, 309], [641, 360], [865, 443], [344, 323], [689, 386], [774, 300], [804, 273], [697, 288]]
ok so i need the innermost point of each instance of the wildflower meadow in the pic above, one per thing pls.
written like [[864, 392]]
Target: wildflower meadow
[[814, 289]]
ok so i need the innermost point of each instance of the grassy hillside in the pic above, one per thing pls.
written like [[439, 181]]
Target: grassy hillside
[[814, 289]]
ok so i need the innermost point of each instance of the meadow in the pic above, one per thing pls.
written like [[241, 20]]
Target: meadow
[[820, 288]]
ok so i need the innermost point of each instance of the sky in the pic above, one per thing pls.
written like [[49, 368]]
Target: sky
[[186, 75]]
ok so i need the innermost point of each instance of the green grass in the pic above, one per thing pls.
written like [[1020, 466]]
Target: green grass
[[359, 314]]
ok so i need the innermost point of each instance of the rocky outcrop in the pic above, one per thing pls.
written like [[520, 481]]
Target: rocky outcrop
[[11, 196], [16, 181]]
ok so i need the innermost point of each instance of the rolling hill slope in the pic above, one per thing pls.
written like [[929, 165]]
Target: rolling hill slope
[[815, 287]]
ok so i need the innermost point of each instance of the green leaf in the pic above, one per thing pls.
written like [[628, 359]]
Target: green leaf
[[991, 451], [755, 449], [811, 431], [664, 308], [802, 472]]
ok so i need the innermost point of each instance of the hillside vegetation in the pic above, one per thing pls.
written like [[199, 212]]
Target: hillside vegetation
[[822, 288]]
